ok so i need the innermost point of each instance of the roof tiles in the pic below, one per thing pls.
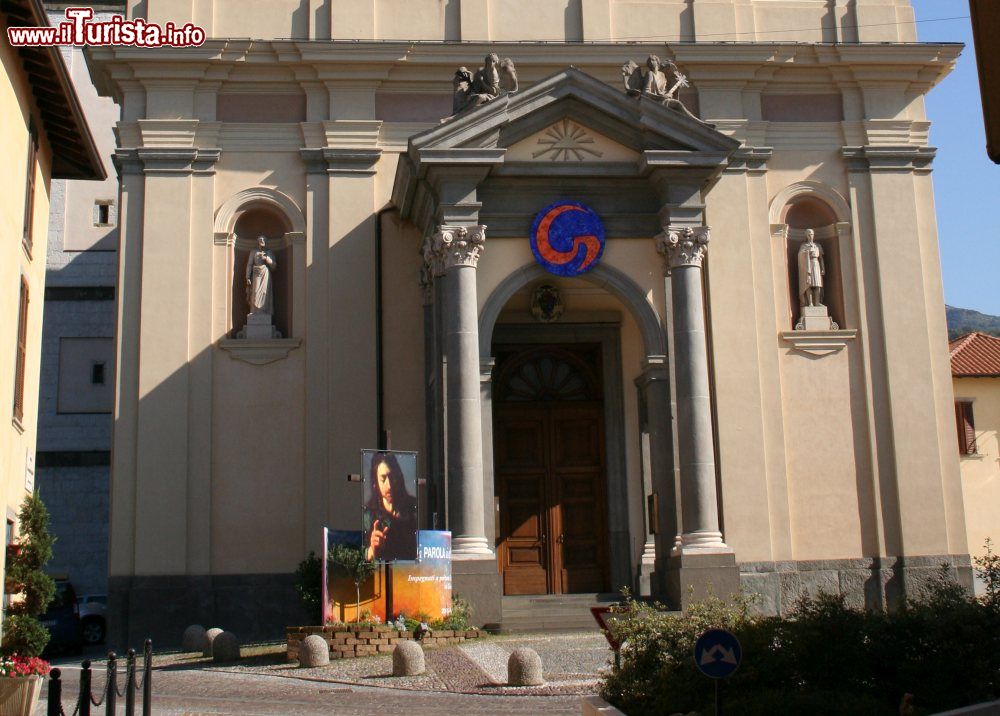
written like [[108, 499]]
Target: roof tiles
[[975, 354]]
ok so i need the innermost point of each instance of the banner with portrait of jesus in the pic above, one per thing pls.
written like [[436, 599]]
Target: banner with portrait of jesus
[[389, 505]]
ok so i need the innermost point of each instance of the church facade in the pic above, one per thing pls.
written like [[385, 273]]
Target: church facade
[[658, 312]]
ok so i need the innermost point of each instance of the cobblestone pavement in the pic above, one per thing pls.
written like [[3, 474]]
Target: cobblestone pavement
[[459, 680]]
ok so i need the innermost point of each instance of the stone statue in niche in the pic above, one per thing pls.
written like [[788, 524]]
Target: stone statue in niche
[[814, 315], [656, 82], [260, 293], [494, 79]]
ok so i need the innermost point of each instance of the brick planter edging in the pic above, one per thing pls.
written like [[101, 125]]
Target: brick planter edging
[[364, 641]]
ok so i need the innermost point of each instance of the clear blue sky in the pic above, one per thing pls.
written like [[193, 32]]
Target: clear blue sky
[[966, 182]]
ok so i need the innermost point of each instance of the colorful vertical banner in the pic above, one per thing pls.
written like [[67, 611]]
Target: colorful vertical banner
[[422, 589], [344, 596], [389, 505]]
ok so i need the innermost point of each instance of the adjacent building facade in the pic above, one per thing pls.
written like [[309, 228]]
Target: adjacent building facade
[[687, 412], [45, 137], [76, 395], [975, 370]]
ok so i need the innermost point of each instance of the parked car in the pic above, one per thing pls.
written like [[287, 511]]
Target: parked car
[[63, 620], [93, 617]]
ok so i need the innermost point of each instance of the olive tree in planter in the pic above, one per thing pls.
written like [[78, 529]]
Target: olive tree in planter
[[350, 561]]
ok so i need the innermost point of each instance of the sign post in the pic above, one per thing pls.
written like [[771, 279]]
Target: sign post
[[599, 614], [717, 654]]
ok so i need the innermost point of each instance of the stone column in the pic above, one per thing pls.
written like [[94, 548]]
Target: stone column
[[658, 456], [433, 281], [684, 249], [458, 249]]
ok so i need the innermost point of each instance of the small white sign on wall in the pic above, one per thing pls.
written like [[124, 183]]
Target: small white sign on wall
[[29, 471]]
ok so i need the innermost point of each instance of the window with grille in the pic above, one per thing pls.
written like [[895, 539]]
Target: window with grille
[[29, 188], [22, 350], [966, 427]]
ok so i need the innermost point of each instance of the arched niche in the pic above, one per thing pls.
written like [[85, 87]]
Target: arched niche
[[811, 205], [238, 224]]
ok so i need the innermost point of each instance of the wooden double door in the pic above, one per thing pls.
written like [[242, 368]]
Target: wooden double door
[[550, 477]]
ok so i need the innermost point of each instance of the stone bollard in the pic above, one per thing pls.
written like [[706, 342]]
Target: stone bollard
[[194, 638], [407, 659], [524, 668], [226, 647], [314, 651], [210, 635]]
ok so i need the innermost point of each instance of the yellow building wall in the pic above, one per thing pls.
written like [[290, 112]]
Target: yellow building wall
[[981, 472], [17, 440]]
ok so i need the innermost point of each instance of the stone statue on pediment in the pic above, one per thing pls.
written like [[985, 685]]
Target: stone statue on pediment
[[495, 78], [660, 82]]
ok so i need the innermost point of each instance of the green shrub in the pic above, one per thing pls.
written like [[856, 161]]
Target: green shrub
[[942, 647], [657, 673], [22, 632], [308, 584], [458, 620]]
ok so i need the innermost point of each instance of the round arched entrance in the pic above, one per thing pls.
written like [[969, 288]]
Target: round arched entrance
[[549, 468]]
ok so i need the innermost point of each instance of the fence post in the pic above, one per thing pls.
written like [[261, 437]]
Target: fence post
[[147, 679], [130, 683], [85, 694], [111, 699], [55, 693]]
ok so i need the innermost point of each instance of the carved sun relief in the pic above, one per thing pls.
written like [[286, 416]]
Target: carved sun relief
[[566, 141]]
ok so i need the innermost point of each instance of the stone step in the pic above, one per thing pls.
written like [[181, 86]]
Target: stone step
[[524, 625], [552, 612]]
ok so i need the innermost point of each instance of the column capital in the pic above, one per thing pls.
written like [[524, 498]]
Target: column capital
[[683, 245], [452, 246]]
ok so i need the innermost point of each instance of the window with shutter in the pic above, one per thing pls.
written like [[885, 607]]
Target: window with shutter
[[29, 198], [22, 351], [966, 427]]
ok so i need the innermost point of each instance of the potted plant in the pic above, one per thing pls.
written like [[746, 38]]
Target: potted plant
[[32, 590], [21, 683]]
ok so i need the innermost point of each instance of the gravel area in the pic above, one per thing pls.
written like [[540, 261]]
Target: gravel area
[[571, 661]]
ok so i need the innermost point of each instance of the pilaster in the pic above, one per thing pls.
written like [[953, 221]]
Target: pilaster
[[905, 347], [318, 471], [174, 360]]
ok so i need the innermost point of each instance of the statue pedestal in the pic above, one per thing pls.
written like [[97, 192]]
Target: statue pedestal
[[815, 318], [259, 327]]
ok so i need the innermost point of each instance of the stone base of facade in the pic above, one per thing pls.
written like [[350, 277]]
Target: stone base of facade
[[255, 607], [691, 577], [869, 583], [477, 581]]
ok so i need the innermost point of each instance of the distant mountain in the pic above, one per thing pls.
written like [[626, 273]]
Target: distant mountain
[[964, 320]]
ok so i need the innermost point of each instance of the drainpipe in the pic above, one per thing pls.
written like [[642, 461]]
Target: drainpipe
[[382, 435]]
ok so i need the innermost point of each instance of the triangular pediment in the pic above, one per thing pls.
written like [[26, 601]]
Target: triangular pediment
[[566, 141], [638, 124], [570, 126]]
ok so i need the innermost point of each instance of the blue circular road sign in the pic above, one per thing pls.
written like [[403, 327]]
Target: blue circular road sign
[[717, 653]]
